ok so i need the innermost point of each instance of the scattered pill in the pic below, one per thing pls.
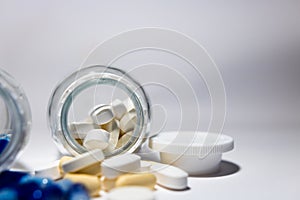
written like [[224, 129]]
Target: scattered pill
[[96, 139], [77, 192], [82, 161], [92, 183], [145, 166], [8, 194], [107, 184], [144, 180], [73, 191], [128, 122], [102, 114], [118, 108], [169, 176], [52, 171], [80, 129], [120, 164], [94, 169], [62, 161], [132, 193], [11, 178]]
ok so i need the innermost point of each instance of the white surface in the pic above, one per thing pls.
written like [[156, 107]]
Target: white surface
[[131, 193], [255, 45]]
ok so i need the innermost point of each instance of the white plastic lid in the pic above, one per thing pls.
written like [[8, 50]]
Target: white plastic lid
[[191, 143]]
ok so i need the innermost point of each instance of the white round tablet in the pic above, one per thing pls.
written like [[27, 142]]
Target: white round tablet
[[96, 139], [102, 114], [132, 193], [118, 108]]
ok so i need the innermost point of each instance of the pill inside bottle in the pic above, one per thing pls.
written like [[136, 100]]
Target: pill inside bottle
[[99, 107]]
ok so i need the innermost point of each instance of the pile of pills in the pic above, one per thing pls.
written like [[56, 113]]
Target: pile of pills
[[21, 185], [108, 126], [125, 172]]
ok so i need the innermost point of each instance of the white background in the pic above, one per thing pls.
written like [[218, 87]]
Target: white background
[[256, 46]]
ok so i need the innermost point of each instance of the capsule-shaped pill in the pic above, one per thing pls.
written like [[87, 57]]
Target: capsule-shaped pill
[[144, 179], [92, 183]]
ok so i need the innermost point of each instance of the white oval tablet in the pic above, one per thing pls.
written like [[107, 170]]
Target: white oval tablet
[[120, 164], [129, 105], [79, 129], [102, 114], [96, 139], [169, 176], [50, 171], [128, 122], [82, 161], [118, 108], [124, 139], [132, 193]]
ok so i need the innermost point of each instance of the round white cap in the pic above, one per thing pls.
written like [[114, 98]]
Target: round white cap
[[191, 143]]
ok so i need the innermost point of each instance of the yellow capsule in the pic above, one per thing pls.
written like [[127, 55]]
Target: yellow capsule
[[107, 184], [92, 183], [94, 169], [62, 161], [143, 179]]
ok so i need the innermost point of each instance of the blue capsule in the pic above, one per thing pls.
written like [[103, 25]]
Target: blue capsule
[[11, 178], [8, 194], [77, 192], [35, 188], [73, 191]]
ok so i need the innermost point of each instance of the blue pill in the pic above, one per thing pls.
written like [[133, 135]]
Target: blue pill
[[8, 194], [3, 143], [34, 188], [73, 191], [11, 178], [53, 192], [65, 185], [77, 192]]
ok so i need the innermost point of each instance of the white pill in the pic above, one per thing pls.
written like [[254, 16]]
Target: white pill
[[120, 164], [96, 139], [145, 166], [169, 176], [102, 114], [129, 105], [114, 130], [128, 122], [82, 161], [124, 139], [50, 171], [79, 129], [132, 193], [118, 108]]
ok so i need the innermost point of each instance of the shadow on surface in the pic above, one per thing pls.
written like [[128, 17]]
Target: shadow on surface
[[226, 168]]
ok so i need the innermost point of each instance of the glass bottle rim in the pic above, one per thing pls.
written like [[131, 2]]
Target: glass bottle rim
[[78, 81], [18, 107]]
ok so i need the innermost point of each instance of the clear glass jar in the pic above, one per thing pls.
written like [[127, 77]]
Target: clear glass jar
[[73, 98], [15, 119]]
